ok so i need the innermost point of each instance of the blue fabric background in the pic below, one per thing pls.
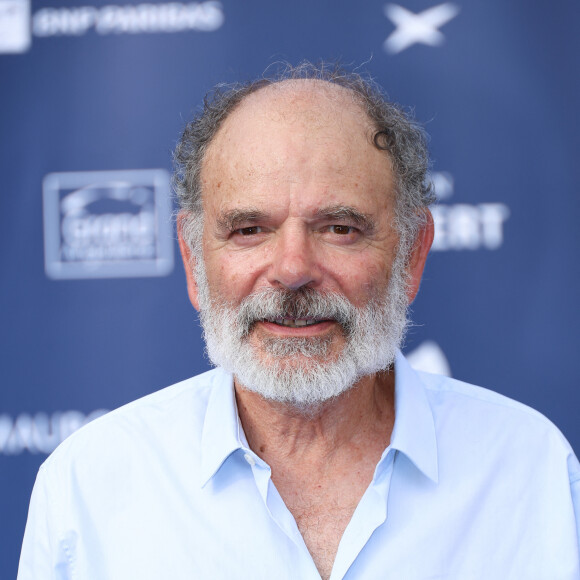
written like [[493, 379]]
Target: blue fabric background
[[499, 98]]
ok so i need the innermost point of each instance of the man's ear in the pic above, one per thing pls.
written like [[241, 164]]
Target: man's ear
[[188, 263], [419, 255]]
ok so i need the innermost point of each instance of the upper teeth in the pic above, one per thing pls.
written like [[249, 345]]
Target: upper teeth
[[295, 321]]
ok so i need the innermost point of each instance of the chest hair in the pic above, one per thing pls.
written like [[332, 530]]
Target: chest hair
[[322, 511]]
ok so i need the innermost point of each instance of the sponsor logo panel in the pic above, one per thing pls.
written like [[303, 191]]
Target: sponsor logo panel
[[107, 224]]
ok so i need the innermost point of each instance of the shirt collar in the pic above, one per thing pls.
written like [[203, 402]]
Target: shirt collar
[[222, 432], [414, 430]]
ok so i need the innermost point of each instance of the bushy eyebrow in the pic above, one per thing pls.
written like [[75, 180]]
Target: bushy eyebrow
[[347, 213], [236, 218]]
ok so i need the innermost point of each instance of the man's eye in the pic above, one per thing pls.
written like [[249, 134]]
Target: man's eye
[[251, 231], [342, 230]]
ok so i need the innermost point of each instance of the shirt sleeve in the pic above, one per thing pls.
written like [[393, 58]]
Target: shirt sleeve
[[35, 554], [46, 554], [574, 473], [575, 487]]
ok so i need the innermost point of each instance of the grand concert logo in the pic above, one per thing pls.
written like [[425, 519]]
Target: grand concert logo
[[107, 224], [464, 226]]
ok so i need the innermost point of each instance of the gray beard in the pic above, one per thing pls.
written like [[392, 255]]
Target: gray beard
[[301, 371]]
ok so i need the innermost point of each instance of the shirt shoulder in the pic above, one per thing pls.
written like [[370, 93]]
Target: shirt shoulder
[[492, 418], [443, 386], [167, 416]]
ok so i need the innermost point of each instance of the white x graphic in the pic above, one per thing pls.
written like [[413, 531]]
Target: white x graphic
[[413, 28]]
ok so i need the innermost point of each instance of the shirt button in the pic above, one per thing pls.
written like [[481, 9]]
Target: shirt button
[[250, 459]]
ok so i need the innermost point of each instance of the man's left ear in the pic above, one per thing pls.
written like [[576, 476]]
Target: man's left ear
[[419, 255], [188, 263]]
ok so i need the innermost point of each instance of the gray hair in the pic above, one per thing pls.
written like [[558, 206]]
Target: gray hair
[[394, 132]]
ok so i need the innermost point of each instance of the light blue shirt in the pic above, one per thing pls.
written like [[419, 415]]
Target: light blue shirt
[[472, 486]]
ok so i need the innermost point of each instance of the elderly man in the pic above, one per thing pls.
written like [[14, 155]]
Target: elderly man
[[313, 450]]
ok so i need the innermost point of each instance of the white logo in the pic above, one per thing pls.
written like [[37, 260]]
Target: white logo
[[107, 224], [170, 17], [417, 28], [129, 19], [40, 433], [14, 25], [463, 226], [429, 357]]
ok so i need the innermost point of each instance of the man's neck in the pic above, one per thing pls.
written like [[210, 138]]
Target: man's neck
[[362, 416]]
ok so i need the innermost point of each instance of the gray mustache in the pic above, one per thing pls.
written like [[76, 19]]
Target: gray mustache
[[272, 303]]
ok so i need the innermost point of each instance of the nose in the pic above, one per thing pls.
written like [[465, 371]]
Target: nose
[[294, 261]]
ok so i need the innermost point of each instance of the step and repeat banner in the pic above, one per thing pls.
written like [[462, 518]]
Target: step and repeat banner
[[94, 95]]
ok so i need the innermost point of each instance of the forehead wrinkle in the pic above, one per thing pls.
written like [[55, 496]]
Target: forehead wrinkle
[[341, 129]]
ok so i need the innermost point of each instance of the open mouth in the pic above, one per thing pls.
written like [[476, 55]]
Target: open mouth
[[297, 322]]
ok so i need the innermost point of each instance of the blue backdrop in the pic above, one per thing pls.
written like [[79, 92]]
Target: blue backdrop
[[94, 306]]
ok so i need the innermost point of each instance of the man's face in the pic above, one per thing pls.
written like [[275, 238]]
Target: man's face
[[298, 210]]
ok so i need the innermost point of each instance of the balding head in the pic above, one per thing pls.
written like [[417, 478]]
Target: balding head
[[328, 91], [286, 129]]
